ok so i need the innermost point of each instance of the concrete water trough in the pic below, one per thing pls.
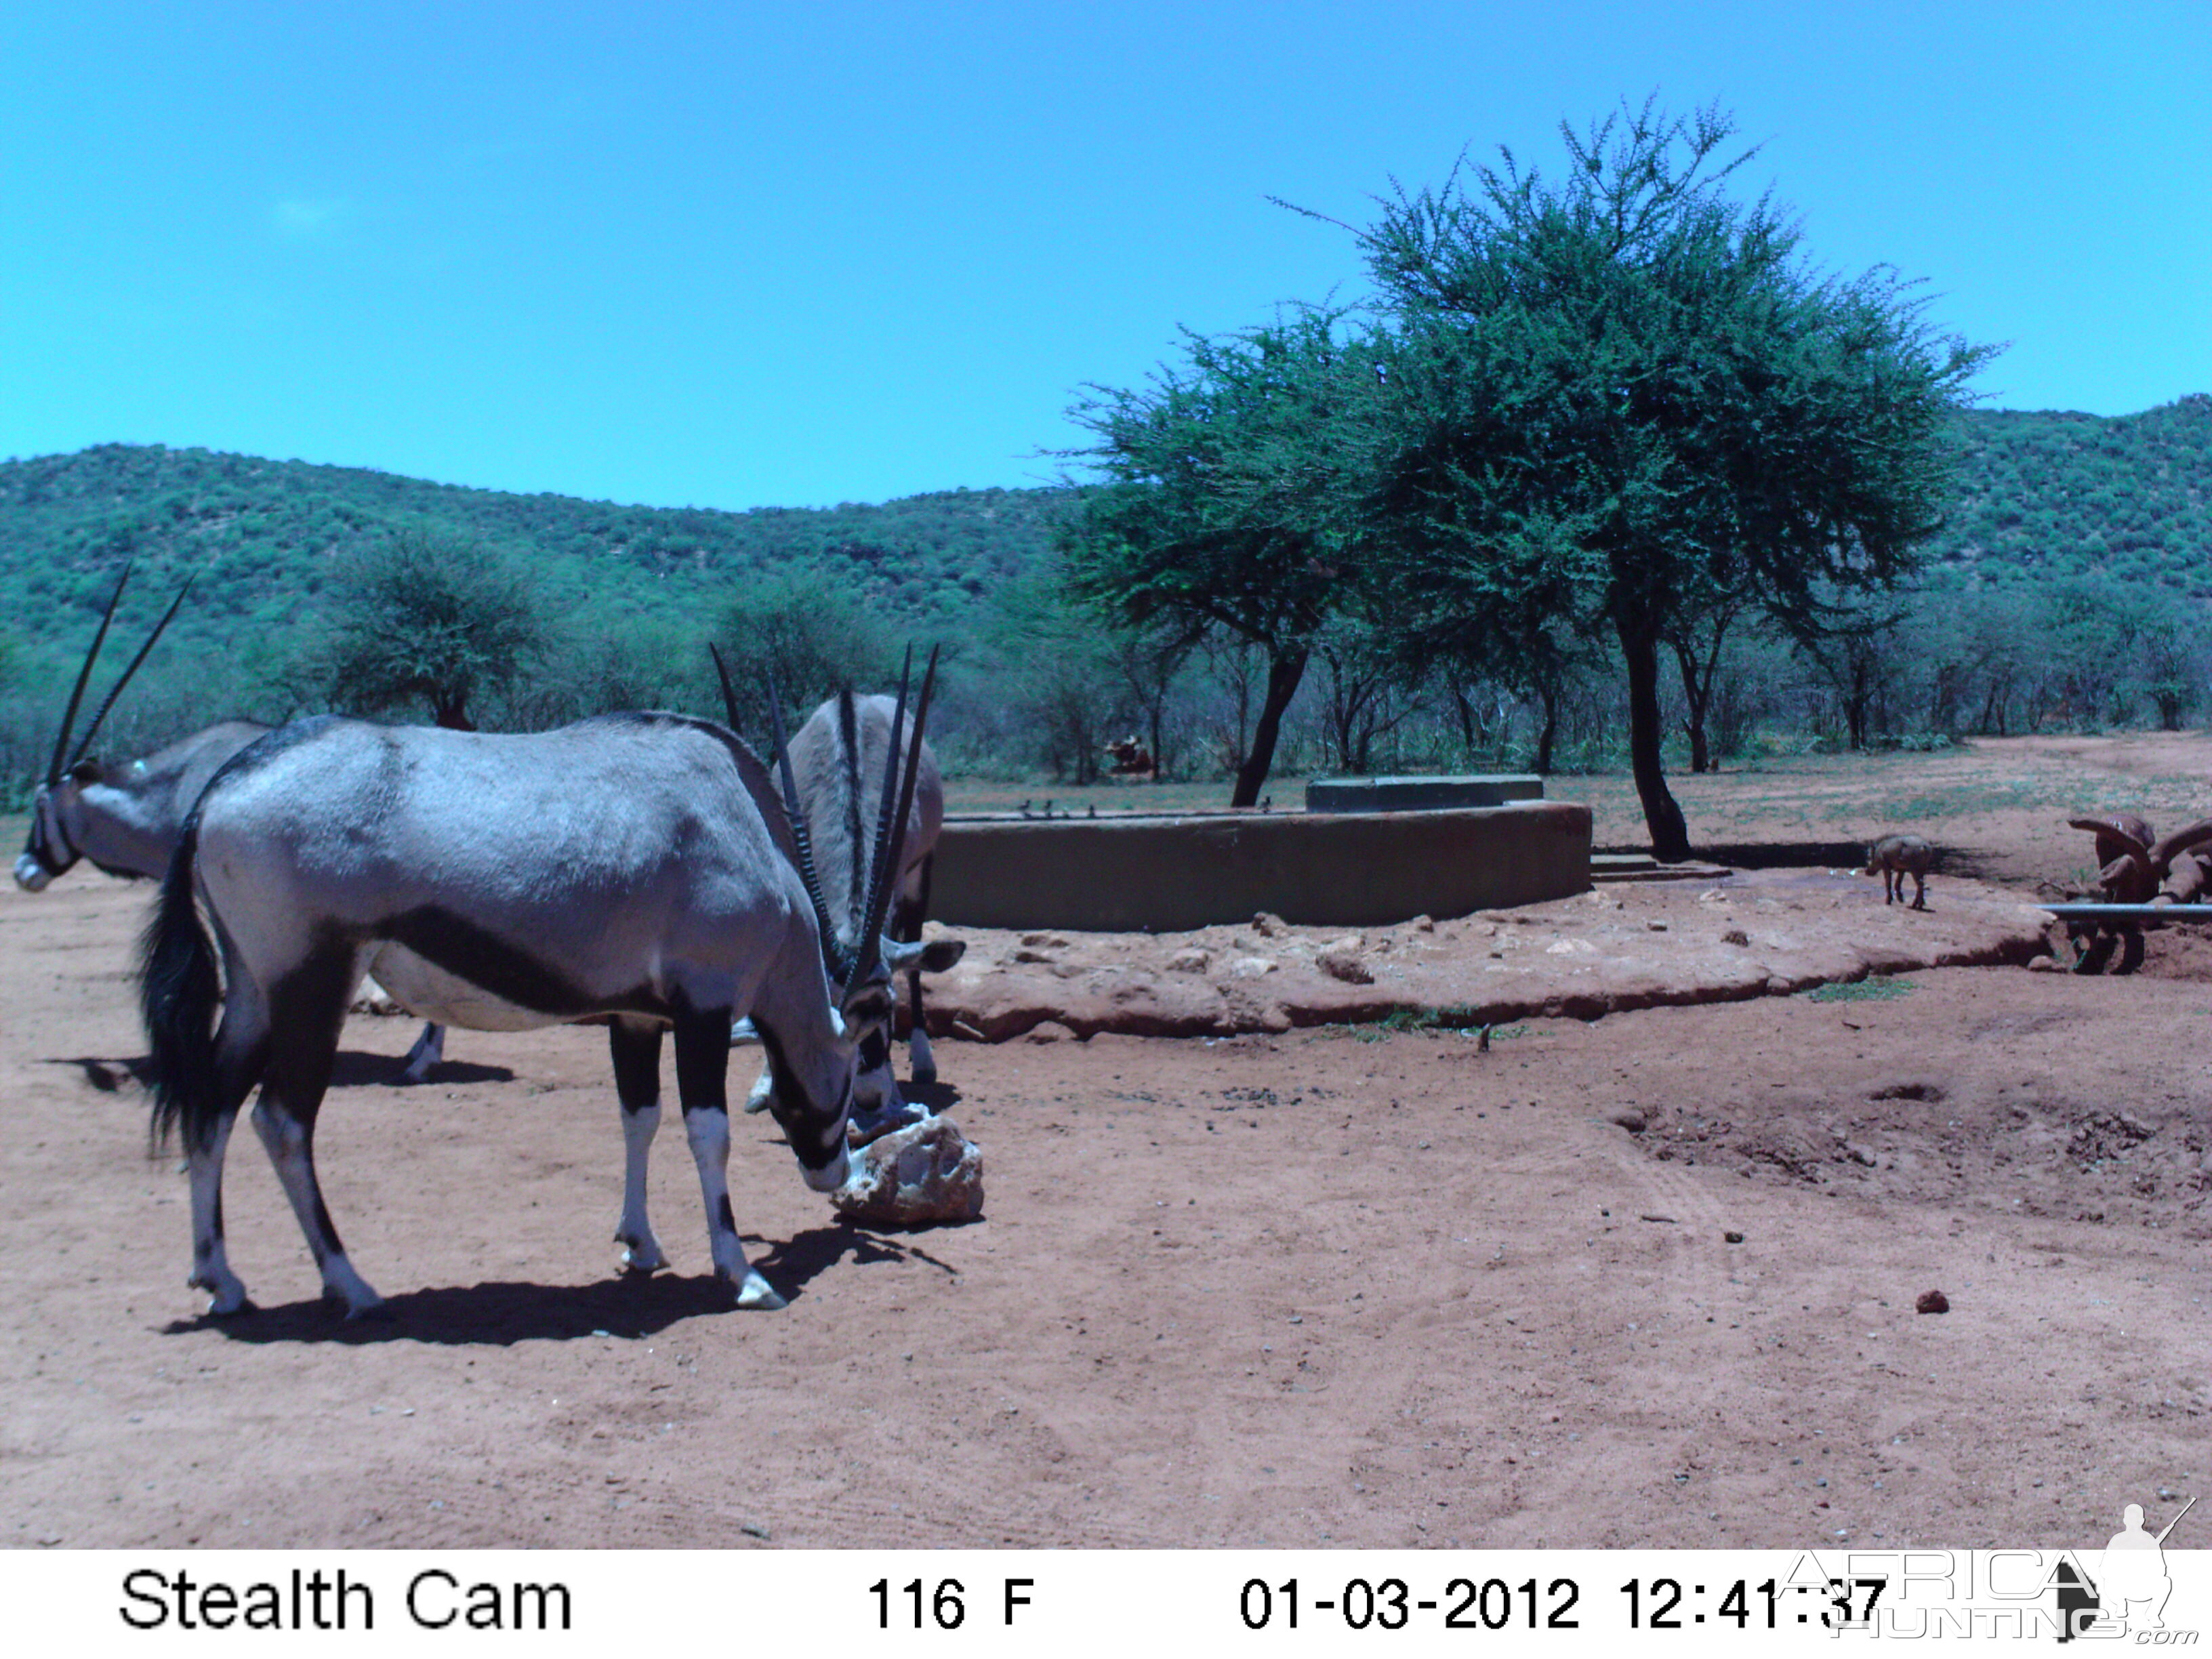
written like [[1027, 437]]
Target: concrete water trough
[[1169, 872], [1421, 794]]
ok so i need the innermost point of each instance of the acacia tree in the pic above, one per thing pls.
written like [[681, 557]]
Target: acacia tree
[[1228, 509], [1858, 653], [2169, 657], [1055, 674], [1621, 398], [428, 617], [1696, 640], [806, 631]]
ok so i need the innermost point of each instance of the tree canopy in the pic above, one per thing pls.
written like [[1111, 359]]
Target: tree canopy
[[427, 618], [807, 633], [1624, 400], [1230, 508]]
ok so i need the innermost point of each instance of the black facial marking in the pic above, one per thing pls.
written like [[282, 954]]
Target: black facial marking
[[815, 1138], [875, 1051], [41, 845]]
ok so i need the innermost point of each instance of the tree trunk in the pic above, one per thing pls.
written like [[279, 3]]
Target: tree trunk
[[1694, 699], [1647, 731], [1465, 707], [1857, 699], [1548, 696], [1284, 670]]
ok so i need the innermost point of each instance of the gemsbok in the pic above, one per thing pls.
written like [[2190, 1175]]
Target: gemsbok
[[844, 741], [127, 824], [127, 819], [636, 866]]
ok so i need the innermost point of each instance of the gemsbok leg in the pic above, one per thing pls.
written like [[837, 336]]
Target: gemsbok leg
[[637, 1048], [429, 1050], [922, 1065], [242, 1050], [702, 1065], [307, 1010]]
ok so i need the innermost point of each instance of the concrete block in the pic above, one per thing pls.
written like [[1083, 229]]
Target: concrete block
[[1170, 873], [1421, 794]]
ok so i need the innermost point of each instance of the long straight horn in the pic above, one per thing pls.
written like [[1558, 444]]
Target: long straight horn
[[802, 834], [891, 792], [69, 715], [794, 813], [887, 870], [729, 692], [84, 744]]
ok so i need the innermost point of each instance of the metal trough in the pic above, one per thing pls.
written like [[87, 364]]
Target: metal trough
[[2129, 912]]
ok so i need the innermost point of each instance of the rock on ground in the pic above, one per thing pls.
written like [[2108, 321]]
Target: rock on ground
[[911, 1177], [1617, 948]]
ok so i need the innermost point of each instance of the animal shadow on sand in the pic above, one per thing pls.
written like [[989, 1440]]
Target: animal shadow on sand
[[353, 1069], [499, 1314], [938, 1096], [1782, 855], [107, 1073]]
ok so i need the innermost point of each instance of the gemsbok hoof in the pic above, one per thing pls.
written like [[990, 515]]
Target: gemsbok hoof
[[640, 1259], [757, 1293], [369, 1307], [224, 1302]]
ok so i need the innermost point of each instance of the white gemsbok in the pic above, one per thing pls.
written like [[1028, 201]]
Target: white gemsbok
[[637, 866], [126, 819], [845, 741]]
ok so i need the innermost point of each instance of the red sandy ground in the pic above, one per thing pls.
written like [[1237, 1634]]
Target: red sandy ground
[[1328, 1285]]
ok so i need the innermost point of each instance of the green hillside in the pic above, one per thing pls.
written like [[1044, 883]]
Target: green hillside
[[261, 533], [2043, 499], [2041, 495], [2044, 496]]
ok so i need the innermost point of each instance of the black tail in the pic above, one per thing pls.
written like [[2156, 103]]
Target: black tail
[[178, 993]]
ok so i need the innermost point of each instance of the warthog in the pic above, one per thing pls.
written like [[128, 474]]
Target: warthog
[[1895, 857]]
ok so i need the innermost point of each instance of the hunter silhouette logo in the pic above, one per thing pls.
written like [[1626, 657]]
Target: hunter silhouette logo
[[2130, 1586]]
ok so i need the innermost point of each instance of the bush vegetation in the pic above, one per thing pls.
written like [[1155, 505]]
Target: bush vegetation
[[2012, 628]]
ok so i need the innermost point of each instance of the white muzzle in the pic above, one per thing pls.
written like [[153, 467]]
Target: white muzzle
[[831, 1175]]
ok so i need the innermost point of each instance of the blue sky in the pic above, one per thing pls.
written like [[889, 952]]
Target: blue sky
[[741, 255]]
